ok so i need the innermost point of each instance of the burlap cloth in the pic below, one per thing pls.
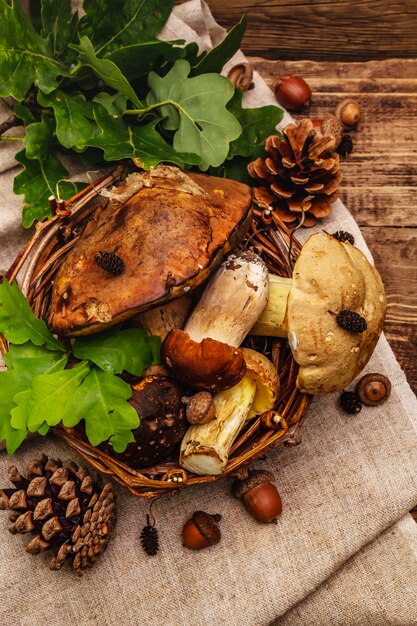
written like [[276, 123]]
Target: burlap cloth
[[342, 552]]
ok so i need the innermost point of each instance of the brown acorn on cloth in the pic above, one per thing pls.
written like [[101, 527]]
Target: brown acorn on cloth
[[64, 508], [300, 174]]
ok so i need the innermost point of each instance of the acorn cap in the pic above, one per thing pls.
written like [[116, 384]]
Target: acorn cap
[[207, 525], [254, 479], [373, 389], [330, 276]]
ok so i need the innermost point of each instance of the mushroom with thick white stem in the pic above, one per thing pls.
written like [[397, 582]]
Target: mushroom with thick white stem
[[205, 354], [332, 311], [205, 447]]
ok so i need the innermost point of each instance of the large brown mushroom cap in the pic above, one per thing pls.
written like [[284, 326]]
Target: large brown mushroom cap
[[171, 231], [328, 277]]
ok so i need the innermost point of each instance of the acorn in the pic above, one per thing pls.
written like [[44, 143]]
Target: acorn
[[200, 408], [373, 389], [259, 496], [201, 531], [349, 113], [292, 92]]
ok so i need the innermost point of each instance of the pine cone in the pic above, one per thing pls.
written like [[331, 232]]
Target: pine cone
[[65, 509], [300, 173]]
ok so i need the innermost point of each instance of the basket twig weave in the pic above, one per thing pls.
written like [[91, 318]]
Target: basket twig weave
[[269, 236]]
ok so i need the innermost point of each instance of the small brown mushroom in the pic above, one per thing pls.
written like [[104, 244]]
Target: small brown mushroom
[[373, 389]]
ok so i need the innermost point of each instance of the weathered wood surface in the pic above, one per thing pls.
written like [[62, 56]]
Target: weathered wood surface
[[331, 29], [380, 176]]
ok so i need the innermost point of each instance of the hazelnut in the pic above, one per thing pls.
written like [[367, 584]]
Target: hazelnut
[[349, 113], [201, 531], [373, 389], [200, 408], [259, 496], [292, 92]]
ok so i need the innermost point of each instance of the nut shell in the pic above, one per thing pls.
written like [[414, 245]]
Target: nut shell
[[349, 113], [292, 92], [259, 496], [211, 365], [255, 478], [373, 389]]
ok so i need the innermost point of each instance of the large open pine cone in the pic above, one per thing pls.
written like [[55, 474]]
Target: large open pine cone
[[64, 507], [300, 173]]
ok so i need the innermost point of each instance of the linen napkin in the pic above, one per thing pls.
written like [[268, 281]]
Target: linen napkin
[[350, 480]]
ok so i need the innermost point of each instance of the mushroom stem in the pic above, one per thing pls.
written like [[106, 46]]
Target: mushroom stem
[[205, 447], [272, 322]]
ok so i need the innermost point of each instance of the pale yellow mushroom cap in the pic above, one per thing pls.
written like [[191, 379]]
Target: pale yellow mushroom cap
[[330, 276], [263, 373]]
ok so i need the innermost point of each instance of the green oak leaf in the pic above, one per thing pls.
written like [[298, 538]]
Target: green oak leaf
[[24, 113], [196, 109], [74, 117], [257, 125], [216, 58], [123, 435], [118, 350], [18, 323], [11, 383], [37, 182], [101, 401], [24, 361], [138, 59], [114, 104], [39, 138], [51, 394], [24, 56], [106, 70], [110, 25], [144, 143], [28, 368], [59, 24]]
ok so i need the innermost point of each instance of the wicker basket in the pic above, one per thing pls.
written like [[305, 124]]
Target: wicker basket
[[270, 237]]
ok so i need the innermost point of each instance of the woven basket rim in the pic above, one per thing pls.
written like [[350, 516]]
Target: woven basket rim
[[271, 238]]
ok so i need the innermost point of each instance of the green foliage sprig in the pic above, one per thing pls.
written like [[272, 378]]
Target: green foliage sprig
[[39, 390], [104, 88]]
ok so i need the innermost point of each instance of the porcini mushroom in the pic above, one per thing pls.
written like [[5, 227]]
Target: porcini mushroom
[[205, 354], [329, 278], [158, 403], [170, 230], [205, 447]]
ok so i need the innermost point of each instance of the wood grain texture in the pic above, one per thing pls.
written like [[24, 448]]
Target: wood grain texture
[[324, 29], [380, 177]]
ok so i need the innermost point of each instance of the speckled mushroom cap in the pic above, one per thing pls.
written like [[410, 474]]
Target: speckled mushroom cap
[[330, 276]]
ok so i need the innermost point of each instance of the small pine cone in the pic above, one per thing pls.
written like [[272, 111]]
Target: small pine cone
[[149, 539], [300, 173], [110, 262], [64, 508], [351, 321], [350, 402], [343, 235]]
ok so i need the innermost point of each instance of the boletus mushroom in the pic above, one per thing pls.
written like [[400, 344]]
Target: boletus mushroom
[[158, 403], [168, 232], [333, 285], [205, 354], [205, 447]]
